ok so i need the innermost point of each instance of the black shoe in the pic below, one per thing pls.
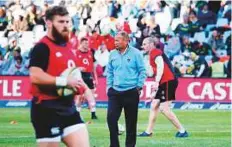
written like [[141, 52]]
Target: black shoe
[[94, 117], [182, 135], [145, 134]]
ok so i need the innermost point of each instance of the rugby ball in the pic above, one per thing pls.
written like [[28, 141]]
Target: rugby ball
[[68, 91]]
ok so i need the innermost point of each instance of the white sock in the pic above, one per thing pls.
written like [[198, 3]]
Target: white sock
[[182, 130], [78, 109], [93, 109]]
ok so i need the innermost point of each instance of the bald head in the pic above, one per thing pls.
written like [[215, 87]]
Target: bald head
[[148, 44]]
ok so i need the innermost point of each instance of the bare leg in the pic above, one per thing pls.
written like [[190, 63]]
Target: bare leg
[[93, 102], [89, 96], [78, 138], [48, 144], [154, 110], [168, 113]]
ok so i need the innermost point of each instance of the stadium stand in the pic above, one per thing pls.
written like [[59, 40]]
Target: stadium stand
[[25, 25]]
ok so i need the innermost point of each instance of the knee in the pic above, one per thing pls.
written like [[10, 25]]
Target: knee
[[165, 108], [154, 104], [167, 113], [163, 111]]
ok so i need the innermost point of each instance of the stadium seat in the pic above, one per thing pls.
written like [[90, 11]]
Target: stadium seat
[[191, 39], [222, 22], [200, 37], [162, 40], [225, 35], [3, 41], [39, 35], [209, 27], [1, 33], [25, 44], [210, 34], [133, 24], [12, 34], [38, 28], [28, 35], [175, 23]]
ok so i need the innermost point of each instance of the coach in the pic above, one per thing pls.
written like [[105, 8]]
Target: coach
[[125, 78]]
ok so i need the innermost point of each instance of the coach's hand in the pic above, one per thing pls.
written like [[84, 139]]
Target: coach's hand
[[139, 89]]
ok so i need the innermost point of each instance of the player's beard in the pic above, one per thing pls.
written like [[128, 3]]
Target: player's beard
[[62, 37]]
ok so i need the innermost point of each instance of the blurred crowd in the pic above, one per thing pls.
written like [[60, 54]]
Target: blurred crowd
[[194, 34]]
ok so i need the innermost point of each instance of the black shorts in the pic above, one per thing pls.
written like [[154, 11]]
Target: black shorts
[[88, 79], [167, 91], [50, 122]]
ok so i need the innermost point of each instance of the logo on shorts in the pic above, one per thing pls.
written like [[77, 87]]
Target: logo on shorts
[[55, 130]]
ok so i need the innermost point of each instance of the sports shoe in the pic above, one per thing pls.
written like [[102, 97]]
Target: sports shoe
[[145, 134], [181, 135], [93, 117]]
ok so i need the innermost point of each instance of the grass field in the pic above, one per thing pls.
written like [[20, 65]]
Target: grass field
[[207, 128]]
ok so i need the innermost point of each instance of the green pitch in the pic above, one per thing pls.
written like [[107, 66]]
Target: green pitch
[[207, 128]]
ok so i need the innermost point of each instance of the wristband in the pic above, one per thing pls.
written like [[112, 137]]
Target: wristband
[[61, 81]]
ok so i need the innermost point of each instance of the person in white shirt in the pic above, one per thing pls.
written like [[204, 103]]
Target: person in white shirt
[[102, 56]]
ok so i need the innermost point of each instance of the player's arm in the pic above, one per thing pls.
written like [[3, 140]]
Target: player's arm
[[159, 73], [39, 59], [39, 77], [160, 68]]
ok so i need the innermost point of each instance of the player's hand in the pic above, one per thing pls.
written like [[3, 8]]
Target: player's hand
[[75, 83], [154, 86], [154, 89]]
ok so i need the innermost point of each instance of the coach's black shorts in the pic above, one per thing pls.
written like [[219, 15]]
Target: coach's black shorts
[[166, 91], [88, 79], [50, 122]]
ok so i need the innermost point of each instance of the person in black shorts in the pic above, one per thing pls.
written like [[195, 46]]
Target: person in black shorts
[[163, 90], [53, 117], [85, 63]]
